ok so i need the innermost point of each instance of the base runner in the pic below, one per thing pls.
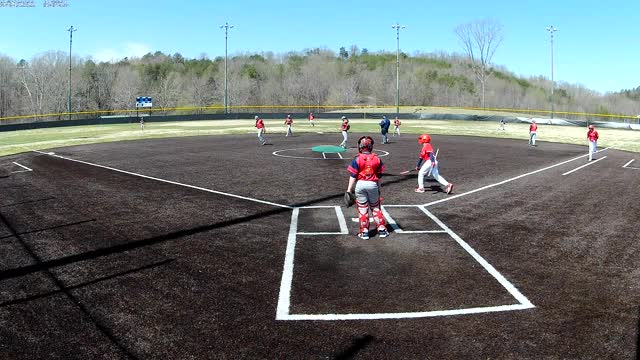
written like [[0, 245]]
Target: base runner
[[430, 163]]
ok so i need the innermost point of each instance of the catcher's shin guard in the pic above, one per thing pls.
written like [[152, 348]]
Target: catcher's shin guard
[[363, 216], [378, 217]]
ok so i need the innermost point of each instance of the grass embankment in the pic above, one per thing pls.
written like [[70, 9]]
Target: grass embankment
[[40, 139]]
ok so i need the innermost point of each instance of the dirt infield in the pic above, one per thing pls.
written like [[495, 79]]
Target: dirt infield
[[216, 247]]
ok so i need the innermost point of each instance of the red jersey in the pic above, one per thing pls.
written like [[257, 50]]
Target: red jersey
[[592, 135], [425, 152], [260, 124], [366, 167], [533, 127], [345, 126], [311, 117], [397, 122], [288, 121]]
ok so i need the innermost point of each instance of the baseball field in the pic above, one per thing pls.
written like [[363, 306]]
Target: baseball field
[[214, 247]]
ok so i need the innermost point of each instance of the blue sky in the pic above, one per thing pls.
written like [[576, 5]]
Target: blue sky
[[597, 44]]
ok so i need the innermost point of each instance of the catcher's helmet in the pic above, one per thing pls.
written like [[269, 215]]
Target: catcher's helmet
[[424, 138], [365, 143]]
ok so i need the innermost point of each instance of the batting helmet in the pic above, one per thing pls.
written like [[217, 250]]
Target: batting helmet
[[365, 143], [256, 117], [424, 138], [591, 127]]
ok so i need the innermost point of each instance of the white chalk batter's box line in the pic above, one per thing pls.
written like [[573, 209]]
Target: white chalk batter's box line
[[284, 298], [24, 169], [626, 166]]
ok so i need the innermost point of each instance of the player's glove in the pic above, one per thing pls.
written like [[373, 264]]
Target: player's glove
[[349, 199]]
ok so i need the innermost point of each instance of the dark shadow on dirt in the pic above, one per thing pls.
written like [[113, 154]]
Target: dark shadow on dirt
[[88, 283], [358, 344]]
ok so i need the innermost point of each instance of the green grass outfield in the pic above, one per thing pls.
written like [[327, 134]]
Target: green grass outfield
[[13, 142]]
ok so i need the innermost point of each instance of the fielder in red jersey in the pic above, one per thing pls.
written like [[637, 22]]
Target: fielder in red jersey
[[261, 129], [365, 171], [396, 127], [289, 122], [533, 131], [592, 136], [344, 129]]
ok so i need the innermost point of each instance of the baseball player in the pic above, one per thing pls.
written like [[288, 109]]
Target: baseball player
[[384, 129], [533, 130], [141, 123], [365, 171], [592, 136], [344, 129], [396, 126], [311, 119], [261, 129], [502, 123], [430, 161], [289, 122]]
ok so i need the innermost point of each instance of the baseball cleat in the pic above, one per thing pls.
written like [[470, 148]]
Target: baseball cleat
[[364, 235], [383, 233], [419, 190], [449, 188]]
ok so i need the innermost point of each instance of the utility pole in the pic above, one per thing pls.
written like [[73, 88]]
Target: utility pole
[[226, 27], [398, 27], [70, 30], [551, 30]]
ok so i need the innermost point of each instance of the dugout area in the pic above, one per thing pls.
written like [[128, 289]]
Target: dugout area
[[183, 248]]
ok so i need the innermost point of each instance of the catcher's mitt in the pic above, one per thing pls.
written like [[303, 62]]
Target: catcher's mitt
[[349, 199]]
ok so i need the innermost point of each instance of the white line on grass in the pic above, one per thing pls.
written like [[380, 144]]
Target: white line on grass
[[585, 165], [506, 181], [169, 181]]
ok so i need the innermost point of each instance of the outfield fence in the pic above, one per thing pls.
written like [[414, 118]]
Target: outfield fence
[[217, 112]]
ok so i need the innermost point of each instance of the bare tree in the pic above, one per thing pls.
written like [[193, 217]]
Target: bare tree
[[480, 39]]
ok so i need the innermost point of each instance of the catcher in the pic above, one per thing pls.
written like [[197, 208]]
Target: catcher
[[365, 170]]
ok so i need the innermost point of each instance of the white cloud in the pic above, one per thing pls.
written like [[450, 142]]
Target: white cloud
[[127, 50]]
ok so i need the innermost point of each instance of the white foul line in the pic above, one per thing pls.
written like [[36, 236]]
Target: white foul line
[[585, 165], [505, 181], [168, 181], [629, 162]]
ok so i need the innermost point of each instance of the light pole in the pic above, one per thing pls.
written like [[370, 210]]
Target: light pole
[[226, 27], [551, 30], [398, 27], [71, 29]]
